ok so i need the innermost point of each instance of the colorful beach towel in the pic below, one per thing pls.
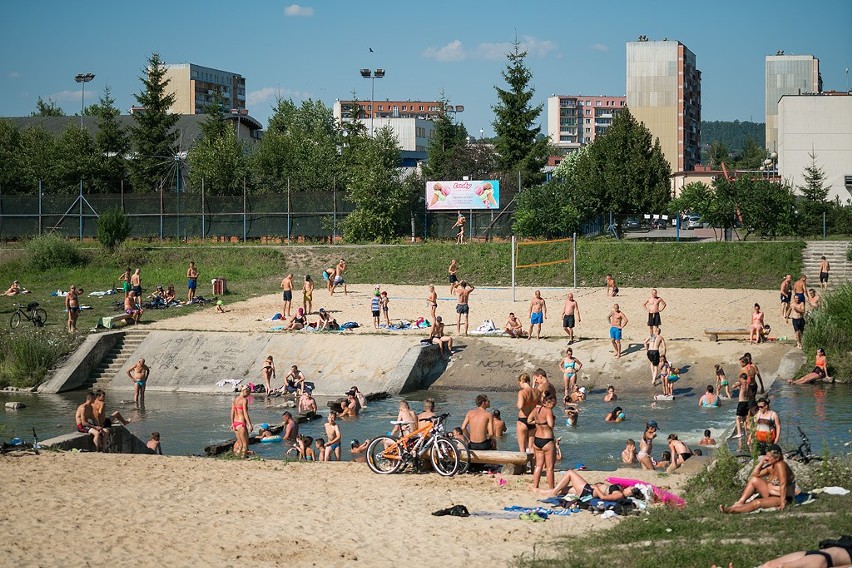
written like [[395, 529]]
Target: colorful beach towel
[[666, 497]]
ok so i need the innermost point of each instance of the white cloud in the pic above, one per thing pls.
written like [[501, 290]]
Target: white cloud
[[268, 94], [456, 51], [15, 75], [600, 47], [67, 95], [296, 10]]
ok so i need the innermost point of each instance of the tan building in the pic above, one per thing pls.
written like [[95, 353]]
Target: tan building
[[576, 120], [787, 75], [664, 93], [195, 87], [392, 109]]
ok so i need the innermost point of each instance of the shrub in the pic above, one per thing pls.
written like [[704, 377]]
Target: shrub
[[830, 327], [26, 356], [113, 228], [50, 252]]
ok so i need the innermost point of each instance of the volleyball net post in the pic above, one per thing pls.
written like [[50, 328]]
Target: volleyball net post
[[570, 255]]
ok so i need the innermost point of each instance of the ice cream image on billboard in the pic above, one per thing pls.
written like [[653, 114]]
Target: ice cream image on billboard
[[486, 193]]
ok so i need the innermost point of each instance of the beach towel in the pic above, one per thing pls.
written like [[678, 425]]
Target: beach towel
[[102, 293], [487, 326], [349, 325], [225, 382], [666, 497], [545, 512], [276, 317], [278, 328]]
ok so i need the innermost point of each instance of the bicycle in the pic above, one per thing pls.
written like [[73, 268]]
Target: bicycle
[[803, 453], [387, 455], [33, 313], [18, 447]]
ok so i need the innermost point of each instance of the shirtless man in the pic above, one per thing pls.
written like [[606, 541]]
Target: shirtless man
[[338, 277], [611, 286], [462, 308], [544, 386], [797, 316], [98, 406], [294, 381], [514, 327], [538, 313], [86, 423], [191, 282], [332, 432], [800, 288], [656, 346], [617, 321], [307, 403], [786, 292], [139, 373], [437, 333], [72, 306], [570, 312], [452, 277], [654, 305], [136, 283], [287, 295], [291, 428], [477, 425], [406, 420], [131, 307], [460, 222], [824, 267]]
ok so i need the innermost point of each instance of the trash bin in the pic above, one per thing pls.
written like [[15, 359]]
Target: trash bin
[[220, 286]]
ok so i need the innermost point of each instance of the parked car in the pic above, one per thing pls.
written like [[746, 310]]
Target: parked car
[[632, 224], [693, 221]]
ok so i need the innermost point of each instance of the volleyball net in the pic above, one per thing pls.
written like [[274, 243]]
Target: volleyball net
[[533, 254]]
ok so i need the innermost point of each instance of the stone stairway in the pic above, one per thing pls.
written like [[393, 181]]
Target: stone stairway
[[835, 252], [115, 361]]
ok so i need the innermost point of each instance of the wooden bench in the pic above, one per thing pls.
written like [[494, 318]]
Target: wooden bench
[[716, 334], [110, 321], [515, 462]]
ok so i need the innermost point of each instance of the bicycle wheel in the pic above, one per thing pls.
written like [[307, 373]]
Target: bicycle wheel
[[464, 455], [16, 320], [445, 458], [39, 317], [383, 455]]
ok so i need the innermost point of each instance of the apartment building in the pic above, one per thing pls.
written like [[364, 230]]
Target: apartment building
[[576, 120], [195, 87], [787, 75]]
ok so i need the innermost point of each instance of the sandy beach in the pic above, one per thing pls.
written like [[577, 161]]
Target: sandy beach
[[104, 510]]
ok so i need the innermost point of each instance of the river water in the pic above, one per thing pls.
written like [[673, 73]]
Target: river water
[[189, 422]]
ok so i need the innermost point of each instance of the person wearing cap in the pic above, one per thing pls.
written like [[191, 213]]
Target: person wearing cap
[[263, 431], [772, 479], [326, 322], [220, 307], [437, 333]]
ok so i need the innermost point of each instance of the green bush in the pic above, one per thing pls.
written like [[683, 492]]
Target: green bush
[[50, 252], [27, 355], [113, 228], [830, 327]]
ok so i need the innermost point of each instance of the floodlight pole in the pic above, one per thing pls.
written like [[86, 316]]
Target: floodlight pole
[[372, 76], [83, 78]]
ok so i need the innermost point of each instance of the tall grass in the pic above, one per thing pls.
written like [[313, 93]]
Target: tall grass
[[27, 354], [830, 327]]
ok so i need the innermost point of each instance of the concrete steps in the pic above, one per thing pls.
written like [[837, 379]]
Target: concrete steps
[[114, 362], [835, 253]]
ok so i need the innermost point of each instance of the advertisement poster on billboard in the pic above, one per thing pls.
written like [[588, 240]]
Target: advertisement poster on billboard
[[462, 195]]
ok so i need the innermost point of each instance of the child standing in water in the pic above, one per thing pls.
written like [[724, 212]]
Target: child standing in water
[[722, 382], [628, 454], [154, 443]]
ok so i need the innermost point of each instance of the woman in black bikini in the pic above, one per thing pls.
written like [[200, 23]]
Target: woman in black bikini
[[268, 373], [573, 482], [527, 401], [298, 321], [544, 445], [772, 478]]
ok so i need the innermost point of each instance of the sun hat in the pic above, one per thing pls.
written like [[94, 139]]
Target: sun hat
[[264, 426]]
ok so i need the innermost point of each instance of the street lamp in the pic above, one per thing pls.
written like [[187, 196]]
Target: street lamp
[[238, 112], [372, 76], [83, 78]]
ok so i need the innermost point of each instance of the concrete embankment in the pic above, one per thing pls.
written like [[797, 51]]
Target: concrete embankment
[[194, 361], [120, 442]]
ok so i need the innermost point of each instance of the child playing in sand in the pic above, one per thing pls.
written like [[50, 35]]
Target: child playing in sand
[[628, 454], [154, 443], [220, 307], [722, 382]]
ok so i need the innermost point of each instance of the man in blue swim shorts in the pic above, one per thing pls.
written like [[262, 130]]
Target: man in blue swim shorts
[[191, 282], [617, 321], [538, 313]]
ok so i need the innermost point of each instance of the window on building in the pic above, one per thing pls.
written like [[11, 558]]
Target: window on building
[[597, 103], [420, 108]]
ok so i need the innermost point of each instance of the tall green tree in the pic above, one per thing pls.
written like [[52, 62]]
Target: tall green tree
[[47, 108], [153, 134], [218, 160], [624, 171], [448, 138], [814, 193], [40, 160], [518, 145], [113, 145], [718, 155], [76, 160], [11, 174], [752, 156]]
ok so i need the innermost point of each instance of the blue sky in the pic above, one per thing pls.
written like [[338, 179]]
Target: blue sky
[[314, 49]]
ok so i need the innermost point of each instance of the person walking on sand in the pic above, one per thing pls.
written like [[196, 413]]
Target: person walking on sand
[[462, 307], [528, 398], [824, 267], [332, 432], [240, 422], [786, 292], [570, 315], [287, 295], [617, 321], [452, 276], [538, 313], [72, 306], [656, 348], [139, 374], [432, 300], [308, 294], [460, 222], [478, 424], [654, 305], [191, 282]]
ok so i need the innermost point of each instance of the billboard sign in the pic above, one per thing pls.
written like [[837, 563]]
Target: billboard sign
[[462, 195]]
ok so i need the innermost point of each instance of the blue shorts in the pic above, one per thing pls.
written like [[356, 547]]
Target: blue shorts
[[536, 317], [615, 333], [190, 283]]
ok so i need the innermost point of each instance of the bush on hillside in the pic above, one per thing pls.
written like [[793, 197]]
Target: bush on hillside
[[113, 228], [26, 355], [50, 252], [830, 327]]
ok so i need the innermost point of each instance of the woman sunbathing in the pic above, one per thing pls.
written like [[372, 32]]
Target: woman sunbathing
[[572, 482], [772, 478]]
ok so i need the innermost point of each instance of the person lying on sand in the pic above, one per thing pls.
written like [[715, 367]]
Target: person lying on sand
[[573, 483]]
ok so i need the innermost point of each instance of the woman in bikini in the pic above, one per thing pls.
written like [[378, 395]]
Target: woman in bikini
[[756, 325], [646, 446], [767, 426], [544, 444], [308, 294], [820, 370], [570, 367], [268, 373], [433, 301], [298, 321], [610, 394], [240, 422], [772, 478], [680, 452], [572, 482], [722, 382], [527, 401]]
